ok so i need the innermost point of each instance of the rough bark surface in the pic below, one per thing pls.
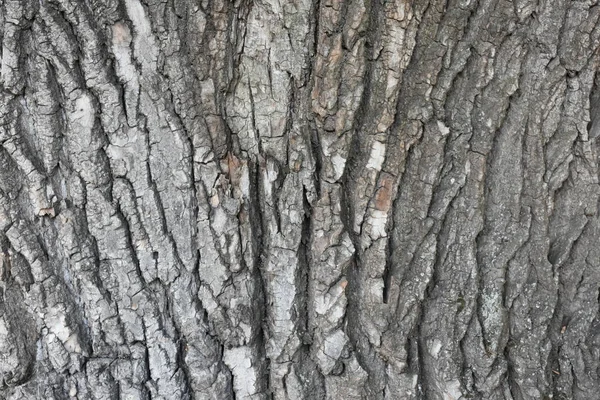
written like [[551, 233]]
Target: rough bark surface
[[306, 199]]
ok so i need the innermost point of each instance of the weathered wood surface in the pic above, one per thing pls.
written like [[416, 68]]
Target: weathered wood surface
[[324, 199]]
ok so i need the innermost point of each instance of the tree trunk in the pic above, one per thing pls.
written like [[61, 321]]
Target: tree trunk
[[306, 199]]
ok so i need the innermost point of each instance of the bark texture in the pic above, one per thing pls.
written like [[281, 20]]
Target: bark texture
[[305, 199]]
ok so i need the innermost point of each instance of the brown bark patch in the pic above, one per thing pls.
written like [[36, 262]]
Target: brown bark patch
[[383, 197]]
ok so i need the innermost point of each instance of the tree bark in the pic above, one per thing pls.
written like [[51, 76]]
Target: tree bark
[[306, 199]]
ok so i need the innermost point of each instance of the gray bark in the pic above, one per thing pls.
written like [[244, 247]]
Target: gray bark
[[306, 199]]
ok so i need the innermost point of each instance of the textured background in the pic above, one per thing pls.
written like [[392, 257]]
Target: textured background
[[306, 199]]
